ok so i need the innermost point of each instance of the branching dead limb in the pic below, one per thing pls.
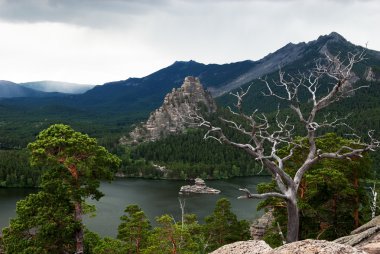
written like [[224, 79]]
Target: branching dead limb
[[262, 135]]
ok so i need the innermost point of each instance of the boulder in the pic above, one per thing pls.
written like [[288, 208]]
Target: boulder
[[244, 247], [316, 247], [365, 237]]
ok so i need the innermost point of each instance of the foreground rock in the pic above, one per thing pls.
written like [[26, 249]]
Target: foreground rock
[[315, 247], [366, 237], [199, 187], [244, 247], [173, 116], [301, 247]]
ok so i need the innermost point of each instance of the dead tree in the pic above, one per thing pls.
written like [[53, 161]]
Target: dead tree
[[373, 205], [262, 135]]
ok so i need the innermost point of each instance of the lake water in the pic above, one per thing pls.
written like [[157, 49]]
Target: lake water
[[155, 197]]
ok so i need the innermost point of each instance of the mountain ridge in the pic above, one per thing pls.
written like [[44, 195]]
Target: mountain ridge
[[145, 94]]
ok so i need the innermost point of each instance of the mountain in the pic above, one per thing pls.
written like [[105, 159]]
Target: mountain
[[302, 58], [144, 94], [114, 105], [57, 86], [171, 117], [297, 56], [12, 90]]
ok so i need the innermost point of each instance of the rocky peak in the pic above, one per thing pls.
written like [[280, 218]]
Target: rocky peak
[[172, 116], [332, 37], [336, 36]]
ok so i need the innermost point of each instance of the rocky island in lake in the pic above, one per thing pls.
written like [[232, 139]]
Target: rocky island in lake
[[198, 187]]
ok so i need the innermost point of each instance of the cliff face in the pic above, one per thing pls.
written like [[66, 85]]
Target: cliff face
[[172, 116], [372, 74]]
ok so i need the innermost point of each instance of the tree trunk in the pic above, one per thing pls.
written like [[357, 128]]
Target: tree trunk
[[293, 219], [79, 234]]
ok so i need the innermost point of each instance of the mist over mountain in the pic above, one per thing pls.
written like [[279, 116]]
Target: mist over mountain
[[9, 89], [57, 86]]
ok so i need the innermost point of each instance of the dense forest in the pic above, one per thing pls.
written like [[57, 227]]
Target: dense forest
[[50, 221], [331, 194], [193, 155]]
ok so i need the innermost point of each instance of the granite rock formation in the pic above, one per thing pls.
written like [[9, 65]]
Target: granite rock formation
[[173, 116], [301, 247], [371, 74], [260, 226], [366, 237], [244, 247], [315, 246]]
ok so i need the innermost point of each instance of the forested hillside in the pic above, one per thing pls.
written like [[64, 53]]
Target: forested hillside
[[108, 112]]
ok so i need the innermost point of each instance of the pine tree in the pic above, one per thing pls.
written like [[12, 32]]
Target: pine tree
[[74, 165], [134, 229]]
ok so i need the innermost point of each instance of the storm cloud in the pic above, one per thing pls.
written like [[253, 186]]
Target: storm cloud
[[95, 41]]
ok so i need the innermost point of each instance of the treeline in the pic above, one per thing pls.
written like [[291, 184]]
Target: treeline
[[136, 235], [15, 170], [189, 156]]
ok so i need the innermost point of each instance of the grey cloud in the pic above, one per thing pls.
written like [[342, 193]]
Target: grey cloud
[[79, 12], [95, 13]]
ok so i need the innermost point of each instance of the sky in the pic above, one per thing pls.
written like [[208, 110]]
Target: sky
[[98, 41]]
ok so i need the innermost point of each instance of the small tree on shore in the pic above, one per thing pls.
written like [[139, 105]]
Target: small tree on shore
[[265, 140], [134, 229]]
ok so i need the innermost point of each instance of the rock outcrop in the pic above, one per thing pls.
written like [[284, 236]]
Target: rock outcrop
[[259, 226], [315, 247], [173, 115], [372, 75], [199, 187], [244, 247], [363, 240], [366, 237], [301, 247]]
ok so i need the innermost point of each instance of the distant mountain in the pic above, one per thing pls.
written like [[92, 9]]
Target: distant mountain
[[116, 105], [295, 58], [145, 94], [57, 86], [12, 90], [142, 95]]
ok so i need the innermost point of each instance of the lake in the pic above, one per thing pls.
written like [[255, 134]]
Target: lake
[[155, 197]]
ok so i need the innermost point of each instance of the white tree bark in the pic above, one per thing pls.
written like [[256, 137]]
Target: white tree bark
[[374, 200]]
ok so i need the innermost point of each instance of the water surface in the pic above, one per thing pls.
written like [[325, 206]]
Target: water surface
[[155, 197]]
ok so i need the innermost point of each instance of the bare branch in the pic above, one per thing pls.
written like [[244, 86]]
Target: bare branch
[[248, 195], [239, 96]]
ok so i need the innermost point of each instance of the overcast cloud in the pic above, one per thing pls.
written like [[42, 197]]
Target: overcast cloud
[[96, 41]]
